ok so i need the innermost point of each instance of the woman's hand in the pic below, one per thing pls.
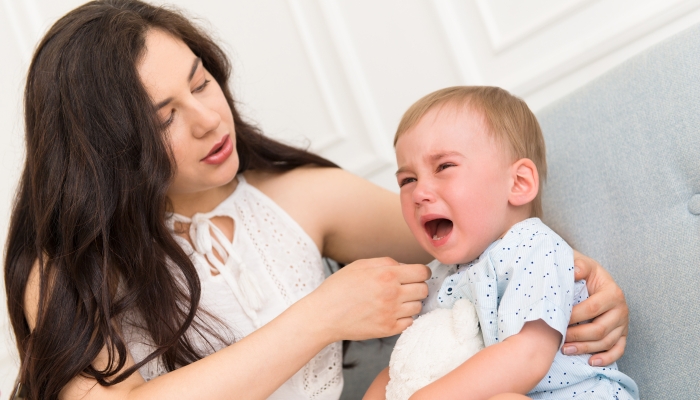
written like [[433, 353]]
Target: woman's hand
[[606, 335], [371, 298]]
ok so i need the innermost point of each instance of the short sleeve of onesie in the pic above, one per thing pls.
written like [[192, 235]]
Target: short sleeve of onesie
[[525, 276], [539, 271]]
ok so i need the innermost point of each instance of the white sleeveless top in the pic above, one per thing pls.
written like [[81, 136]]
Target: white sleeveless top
[[271, 263]]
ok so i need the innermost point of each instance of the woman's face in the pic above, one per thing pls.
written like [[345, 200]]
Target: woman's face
[[192, 105]]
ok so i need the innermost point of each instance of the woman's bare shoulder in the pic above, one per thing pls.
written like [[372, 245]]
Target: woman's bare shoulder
[[31, 295], [298, 180], [307, 194], [316, 191], [79, 387]]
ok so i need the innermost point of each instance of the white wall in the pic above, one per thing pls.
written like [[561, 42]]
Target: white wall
[[338, 74]]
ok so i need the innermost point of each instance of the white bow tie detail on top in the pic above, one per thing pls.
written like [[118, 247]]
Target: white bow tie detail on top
[[245, 287]]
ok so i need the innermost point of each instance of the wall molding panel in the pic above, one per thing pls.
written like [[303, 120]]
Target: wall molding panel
[[376, 131], [545, 15], [614, 36], [25, 20], [460, 49], [340, 79], [321, 70], [528, 49]]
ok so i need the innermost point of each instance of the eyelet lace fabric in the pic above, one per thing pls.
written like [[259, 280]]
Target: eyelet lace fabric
[[270, 257]]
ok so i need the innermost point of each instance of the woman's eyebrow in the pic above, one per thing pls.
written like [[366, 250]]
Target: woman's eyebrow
[[195, 65]]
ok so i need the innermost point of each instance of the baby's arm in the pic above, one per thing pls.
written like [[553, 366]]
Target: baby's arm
[[515, 365], [377, 390]]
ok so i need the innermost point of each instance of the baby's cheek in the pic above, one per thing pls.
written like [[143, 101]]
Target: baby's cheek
[[406, 207]]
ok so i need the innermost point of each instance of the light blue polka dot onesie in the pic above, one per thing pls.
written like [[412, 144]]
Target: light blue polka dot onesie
[[526, 276]]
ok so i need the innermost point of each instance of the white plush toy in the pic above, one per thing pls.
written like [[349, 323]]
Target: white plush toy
[[434, 345]]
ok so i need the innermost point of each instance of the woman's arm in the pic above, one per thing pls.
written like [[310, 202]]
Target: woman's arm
[[606, 335], [367, 299], [348, 217], [515, 365]]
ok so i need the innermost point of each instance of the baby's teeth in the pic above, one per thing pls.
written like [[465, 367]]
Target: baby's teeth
[[435, 237]]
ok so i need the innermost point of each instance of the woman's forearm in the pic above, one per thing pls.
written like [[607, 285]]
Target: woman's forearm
[[252, 368]]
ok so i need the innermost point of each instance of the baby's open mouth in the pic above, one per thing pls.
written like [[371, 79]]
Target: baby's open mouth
[[438, 228]]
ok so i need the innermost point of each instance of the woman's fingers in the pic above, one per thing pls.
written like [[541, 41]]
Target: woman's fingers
[[618, 339], [409, 309], [606, 334], [411, 273], [608, 310], [591, 341], [610, 356], [605, 295], [597, 329], [413, 291], [583, 266], [600, 303], [402, 324]]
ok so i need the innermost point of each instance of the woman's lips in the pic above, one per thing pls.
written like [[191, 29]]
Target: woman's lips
[[220, 152]]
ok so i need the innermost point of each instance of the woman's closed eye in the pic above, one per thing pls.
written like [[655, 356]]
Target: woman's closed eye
[[201, 87], [198, 89], [169, 121]]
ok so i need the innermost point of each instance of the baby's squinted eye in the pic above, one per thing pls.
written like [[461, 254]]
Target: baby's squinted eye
[[405, 181], [444, 166]]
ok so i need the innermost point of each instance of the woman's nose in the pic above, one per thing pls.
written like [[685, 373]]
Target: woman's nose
[[205, 119]]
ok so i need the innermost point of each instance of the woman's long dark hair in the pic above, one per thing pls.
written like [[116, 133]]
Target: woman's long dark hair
[[91, 204]]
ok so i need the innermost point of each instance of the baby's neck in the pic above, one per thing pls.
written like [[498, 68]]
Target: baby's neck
[[515, 215]]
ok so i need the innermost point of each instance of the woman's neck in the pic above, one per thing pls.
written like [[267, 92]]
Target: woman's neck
[[188, 204]]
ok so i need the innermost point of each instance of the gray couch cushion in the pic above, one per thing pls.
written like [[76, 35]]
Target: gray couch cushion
[[624, 188]]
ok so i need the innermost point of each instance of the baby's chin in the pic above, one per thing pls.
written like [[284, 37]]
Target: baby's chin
[[449, 259]]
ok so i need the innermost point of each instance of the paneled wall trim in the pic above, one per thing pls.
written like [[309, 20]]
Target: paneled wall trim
[[24, 19], [339, 74]]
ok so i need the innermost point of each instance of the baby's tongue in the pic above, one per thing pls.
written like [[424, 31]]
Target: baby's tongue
[[444, 226]]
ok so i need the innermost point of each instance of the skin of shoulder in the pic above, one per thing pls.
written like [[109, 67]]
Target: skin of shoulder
[[80, 387], [348, 217], [31, 296]]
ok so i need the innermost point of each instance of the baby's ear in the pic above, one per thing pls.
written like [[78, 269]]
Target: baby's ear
[[525, 182]]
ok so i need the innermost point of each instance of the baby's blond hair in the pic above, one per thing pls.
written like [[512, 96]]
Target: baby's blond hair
[[508, 118]]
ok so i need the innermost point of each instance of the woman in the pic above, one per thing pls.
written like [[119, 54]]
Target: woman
[[161, 247]]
